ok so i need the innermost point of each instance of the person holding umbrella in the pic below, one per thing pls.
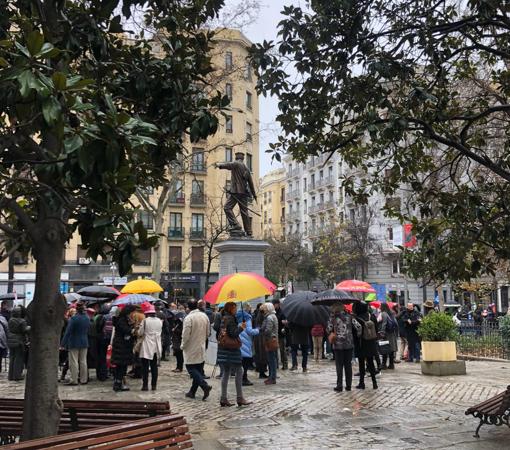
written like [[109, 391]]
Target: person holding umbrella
[[366, 343], [341, 337]]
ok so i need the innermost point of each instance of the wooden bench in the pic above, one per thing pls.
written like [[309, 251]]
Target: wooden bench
[[494, 411], [79, 415], [161, 432]]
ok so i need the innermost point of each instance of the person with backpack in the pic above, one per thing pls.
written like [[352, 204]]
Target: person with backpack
[[389, 331], [104, 327], [365, 344]]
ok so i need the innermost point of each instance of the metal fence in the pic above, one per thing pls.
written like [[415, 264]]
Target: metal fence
[[483, 339]]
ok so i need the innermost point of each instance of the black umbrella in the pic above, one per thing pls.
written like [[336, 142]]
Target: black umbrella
[[298, 308], [332, 296], [99, 292]]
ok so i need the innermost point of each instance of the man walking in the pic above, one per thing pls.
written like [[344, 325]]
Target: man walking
[[196, 330], [412, 319], [76, 340], [282, 334]]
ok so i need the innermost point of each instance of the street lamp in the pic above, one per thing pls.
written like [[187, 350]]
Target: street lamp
[[113, 268]]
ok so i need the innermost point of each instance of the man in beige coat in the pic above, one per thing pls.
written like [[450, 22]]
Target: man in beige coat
[[196, 330]]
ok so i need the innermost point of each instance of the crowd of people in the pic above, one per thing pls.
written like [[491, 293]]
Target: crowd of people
[[128, 342]]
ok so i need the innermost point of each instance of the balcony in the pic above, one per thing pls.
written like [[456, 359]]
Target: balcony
[[177, 199], [316, 161], [290, 195], [175, 233], [198, 167], [197, 233], [293, 216], [294, 172], [320, 207], [325, 181], [197, 200]]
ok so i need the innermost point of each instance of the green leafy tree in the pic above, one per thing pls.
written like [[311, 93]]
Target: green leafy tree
[[281, 259], [413, 93], [306, 270], [438, 326], [87, 116]]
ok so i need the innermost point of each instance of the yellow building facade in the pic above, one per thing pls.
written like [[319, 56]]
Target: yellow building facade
[[272, 204], [193, 216]]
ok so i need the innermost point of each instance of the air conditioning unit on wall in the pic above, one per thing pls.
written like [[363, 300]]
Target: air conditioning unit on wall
[[83, 260]]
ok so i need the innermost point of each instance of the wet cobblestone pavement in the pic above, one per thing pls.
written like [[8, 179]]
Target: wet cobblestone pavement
[[408, 411]]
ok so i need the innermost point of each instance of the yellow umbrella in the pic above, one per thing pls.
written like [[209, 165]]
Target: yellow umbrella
[[141, 287]]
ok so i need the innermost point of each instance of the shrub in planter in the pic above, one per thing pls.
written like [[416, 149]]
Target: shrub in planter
[[438, 327]]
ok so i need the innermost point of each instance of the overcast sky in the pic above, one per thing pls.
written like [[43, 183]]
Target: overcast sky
[[264, 28]]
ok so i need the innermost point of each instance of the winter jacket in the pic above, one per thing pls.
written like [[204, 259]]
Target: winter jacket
[[269, 328], [389, 336], [247, 335], [282, 329], [226, 355], [4, 329], [196, 330], [299, 335], [77, 332], [150, 332], [177, 333], [122, 345], [365, 348], [341, 323], [411, 328], [17, 333], [317, 330]]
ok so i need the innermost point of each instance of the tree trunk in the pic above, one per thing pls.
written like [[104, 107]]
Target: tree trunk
[[42, 407], [10, 276]]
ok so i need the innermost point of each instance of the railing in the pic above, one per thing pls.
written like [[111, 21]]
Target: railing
[[483, 340], [177, 199], [197, 233], [317, 160], [198, 167], [294, 215], [175, 233], [324, 206], [197, 200], [294, 172], [325, 181], [289, 195]]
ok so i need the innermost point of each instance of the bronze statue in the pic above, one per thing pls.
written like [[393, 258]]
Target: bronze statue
[[242, 190]]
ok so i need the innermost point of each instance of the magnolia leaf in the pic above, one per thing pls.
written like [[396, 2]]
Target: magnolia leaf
[[35, 41], [51, 110]]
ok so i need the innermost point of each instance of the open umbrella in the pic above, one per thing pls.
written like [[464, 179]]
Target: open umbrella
[[72, 297], [298, 308], [355, 286], [142, 286], [332, 296], [99, 291], [239, 287], [377, 304], [133, 299]]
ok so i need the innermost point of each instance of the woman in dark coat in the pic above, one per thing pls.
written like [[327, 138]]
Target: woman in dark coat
[[230, 358], [389, 331], [122, 347], [259, 348], [365, 346], [17, 338], [176, 343]]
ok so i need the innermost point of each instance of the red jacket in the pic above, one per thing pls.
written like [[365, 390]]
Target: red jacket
[[318, 330]]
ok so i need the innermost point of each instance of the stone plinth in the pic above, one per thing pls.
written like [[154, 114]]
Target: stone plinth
[[241, 255], [443, 368]]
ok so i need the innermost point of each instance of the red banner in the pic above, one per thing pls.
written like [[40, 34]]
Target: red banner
[[409, 237]]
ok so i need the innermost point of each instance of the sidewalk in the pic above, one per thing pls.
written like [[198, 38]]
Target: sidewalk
[[408, 411]]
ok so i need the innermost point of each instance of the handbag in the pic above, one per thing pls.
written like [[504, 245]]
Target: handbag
[[332, 337], [384, 347], [225, 341], [271, 345]]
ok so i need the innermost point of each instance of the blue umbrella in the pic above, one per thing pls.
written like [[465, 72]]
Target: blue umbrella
[[133, 299]]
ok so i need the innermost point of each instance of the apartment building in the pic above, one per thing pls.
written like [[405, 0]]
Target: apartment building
[[272, 204], [195, 205]]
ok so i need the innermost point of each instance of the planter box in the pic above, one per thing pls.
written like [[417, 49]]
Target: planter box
[[443, 368], [439, 351]]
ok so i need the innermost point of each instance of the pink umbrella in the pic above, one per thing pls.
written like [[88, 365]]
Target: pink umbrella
[[355, 286]]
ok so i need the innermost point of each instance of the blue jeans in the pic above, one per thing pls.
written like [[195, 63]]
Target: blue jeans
[[304, 352], [272, 361], [197, 374], [413, 349]]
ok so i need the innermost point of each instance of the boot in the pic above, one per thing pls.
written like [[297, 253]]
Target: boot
[[374, 382], [117, 385], [391, 366], [145, 387], [247, 382], [361, 384]]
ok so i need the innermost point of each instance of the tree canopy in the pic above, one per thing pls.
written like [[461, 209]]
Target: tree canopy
[[414, 93]]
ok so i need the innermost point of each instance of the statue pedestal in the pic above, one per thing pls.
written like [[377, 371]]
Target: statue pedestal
[[241, 255]]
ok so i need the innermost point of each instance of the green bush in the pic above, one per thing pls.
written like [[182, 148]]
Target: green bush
[[504, 327], [438, 327]]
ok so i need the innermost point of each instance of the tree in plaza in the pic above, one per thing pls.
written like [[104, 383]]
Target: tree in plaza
[[86, 117], [333, 256], [414, 93], [306, 269], [281, 259]]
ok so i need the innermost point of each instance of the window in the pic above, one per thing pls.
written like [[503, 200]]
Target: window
[[313, 202], [197, 225], [178, 194], [247, 73], [304, 184], [248, 100], [249, 162], [248, 132], [175, 259], [312, 181], [330, 171], [175, 229], [270, 221], [197, 259], [143, 257], [265, 216], [352, 214], [321, 174], [305, 203], [197, 192], [228, 91], [322, 198], [269, 196], [229, 126], [282, 194], [228, 154], [395, 266], [228, 61], [390, 233], [393, 203], [197, 160], [331, 196], [282, 218], [146, 218]]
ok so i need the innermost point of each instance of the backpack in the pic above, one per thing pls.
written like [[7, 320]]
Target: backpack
[[391, 324], [108, 327], [369, 331]]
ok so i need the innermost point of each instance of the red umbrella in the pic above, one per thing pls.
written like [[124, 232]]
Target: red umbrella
[[377, 304], [355, 286]]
